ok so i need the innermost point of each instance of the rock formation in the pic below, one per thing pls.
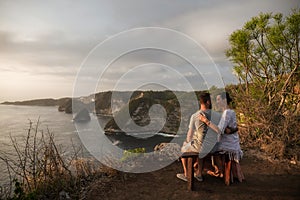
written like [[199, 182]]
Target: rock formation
[[82, 116], [139, 116]]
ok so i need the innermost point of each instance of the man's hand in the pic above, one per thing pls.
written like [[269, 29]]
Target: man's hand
[[203, 118]]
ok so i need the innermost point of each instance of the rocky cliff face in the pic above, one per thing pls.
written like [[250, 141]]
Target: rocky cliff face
[[107, 103], [153, 111]]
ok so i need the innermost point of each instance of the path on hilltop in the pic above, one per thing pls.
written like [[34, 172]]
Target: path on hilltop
[[264, 180]]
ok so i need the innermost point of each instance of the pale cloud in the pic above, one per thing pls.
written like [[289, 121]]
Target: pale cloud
[[212, 26], [44, 43]]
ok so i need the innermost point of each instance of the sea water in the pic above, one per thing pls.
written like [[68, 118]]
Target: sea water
[[15, 120]]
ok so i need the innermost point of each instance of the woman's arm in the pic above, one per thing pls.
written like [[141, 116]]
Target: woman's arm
[[230, 130], [222, 127], [211, 125]]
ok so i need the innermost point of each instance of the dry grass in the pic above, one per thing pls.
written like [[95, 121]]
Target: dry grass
[[38, 169]]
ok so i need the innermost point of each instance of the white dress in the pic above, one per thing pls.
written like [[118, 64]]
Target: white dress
[[229, 142]]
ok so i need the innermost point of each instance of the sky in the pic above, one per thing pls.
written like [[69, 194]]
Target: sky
[[54, 49]]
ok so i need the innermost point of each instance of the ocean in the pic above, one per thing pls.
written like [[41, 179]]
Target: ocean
[[14, 123]]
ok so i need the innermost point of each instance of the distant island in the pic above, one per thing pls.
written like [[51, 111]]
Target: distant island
[[37, 102]]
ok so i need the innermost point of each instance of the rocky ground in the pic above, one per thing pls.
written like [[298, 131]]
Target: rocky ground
[[265, 179]]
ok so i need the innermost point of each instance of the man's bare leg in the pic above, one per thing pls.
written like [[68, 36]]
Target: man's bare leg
[[184, 164]]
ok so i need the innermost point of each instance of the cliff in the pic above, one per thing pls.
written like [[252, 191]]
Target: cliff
[[107, 103], [150, 110], [70, 105]]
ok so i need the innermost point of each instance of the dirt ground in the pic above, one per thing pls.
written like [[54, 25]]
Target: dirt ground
[[265, 179]]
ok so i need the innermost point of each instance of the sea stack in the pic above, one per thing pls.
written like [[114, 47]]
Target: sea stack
[[82, 116]]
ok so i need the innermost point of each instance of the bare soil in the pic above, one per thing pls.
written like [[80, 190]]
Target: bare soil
[[265, 179]]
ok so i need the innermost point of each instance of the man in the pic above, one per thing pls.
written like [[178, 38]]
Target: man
[[196, 135]]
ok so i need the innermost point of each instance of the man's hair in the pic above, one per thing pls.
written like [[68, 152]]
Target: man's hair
[[204, 97]]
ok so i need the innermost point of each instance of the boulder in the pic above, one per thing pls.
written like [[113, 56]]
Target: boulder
[[168, 151], [82, 116]]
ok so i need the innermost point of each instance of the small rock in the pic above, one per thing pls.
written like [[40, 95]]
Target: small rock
[[64, 195]]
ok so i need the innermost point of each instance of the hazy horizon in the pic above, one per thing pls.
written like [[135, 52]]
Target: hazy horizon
[[84, 96]]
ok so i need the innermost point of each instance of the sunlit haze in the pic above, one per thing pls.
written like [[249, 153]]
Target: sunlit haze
[[43, 43]]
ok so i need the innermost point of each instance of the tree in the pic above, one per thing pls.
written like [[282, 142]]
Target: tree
[[265, 53]]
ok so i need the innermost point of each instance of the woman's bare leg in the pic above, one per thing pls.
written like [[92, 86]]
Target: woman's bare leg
[[199, 169]]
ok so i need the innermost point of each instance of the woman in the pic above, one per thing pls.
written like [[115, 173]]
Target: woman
[[228, 143]]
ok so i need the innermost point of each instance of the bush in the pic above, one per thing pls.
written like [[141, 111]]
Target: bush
[[261, 127]]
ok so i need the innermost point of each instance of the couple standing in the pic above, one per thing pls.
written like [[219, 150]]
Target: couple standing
[[225, 138]]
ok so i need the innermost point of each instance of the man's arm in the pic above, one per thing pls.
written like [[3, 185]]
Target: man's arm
[[189, 135]]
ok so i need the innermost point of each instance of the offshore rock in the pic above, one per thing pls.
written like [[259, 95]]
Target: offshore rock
[[82, 116]]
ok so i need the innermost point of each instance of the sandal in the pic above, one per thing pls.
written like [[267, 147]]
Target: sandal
[[198, 177], [182, 177]]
